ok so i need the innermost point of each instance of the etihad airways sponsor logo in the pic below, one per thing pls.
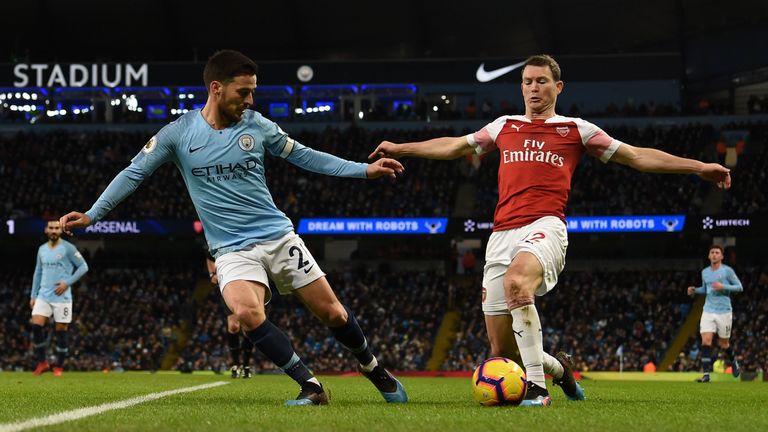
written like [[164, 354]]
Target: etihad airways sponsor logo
[[224, 172]]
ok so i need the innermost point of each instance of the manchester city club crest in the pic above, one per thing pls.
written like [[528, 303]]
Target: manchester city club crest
[[246, 142]]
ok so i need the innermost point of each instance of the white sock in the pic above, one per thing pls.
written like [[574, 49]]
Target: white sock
[[527, 328], [552, 366], [370, 366]]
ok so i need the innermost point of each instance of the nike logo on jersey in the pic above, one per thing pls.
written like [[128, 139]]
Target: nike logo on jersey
[[306, 271], [192, 150], [483, 75]]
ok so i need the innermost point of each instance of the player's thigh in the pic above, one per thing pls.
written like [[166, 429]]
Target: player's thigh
[[524, 275], [245, 266], [707, 327], [289, 263], [62, 312], [242, 296], [724, 323], [41, 311], [501, 336], [320, 299]]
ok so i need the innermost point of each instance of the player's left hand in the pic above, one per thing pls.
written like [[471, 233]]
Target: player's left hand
[[60, 288], [384, 167], [717, 174], [717, 286]]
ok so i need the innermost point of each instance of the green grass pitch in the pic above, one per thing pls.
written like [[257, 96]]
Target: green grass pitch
[[437, 405]]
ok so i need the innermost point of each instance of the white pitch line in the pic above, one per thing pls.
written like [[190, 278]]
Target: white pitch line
[[98, 409]]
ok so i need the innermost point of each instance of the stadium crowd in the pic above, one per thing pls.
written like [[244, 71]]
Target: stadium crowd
[[80, 164]]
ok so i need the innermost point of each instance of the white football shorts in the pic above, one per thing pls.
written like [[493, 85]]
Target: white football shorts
[[61, 312], [546, 238], [286, 261], [716, 323]]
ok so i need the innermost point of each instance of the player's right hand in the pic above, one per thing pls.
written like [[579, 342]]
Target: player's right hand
[[691, 290], [32, 303], [386, 150], [74, 220]]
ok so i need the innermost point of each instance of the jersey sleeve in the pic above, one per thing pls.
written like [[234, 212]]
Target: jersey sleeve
[[281, 145], [597, 143], [484, 140], [77, 260], [157, 151], [734, 284]]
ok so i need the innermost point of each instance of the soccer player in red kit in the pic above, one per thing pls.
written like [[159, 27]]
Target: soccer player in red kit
[[526, 252]]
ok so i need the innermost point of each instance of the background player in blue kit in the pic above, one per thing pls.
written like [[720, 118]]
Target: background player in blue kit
[[220, 151], [59, 265], [719, 281]]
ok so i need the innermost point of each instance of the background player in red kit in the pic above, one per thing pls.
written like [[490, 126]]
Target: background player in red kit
[[526, 252]]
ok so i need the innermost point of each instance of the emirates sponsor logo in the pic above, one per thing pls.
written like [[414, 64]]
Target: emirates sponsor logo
[[533, 151]]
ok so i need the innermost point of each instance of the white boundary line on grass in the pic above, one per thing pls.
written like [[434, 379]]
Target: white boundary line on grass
[[98, 409]]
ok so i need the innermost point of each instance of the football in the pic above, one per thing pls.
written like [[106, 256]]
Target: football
[[499, 381]]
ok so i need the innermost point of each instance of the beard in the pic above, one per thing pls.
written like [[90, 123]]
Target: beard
[[231, 115]]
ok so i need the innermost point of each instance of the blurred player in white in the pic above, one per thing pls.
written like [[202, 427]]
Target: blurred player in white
[[719, 281], [59, 265], [526, 252]]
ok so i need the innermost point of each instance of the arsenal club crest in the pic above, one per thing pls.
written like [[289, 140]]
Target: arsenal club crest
[[563, 130]]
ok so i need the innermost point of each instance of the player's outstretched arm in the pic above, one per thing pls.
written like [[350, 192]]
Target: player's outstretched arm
[[656, 161], [444, 148]]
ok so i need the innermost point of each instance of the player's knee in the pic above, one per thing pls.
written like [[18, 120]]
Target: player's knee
[[333, 315], [518, 291], [250, 317]]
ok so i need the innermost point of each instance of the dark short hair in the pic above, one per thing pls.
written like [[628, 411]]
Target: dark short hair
[[544, 60], [225, 65], [717, 246]]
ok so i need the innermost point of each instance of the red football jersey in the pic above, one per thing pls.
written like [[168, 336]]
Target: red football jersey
[[538, 158]]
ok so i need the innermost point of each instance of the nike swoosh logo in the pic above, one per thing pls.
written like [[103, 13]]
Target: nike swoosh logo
[[192, 150], [306, 271], [483, 75]]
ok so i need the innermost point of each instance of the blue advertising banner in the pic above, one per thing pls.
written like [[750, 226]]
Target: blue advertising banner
[[373, 226]]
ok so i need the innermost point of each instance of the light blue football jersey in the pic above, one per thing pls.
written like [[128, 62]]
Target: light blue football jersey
[[719, 302], [224, 174], [62, 263]]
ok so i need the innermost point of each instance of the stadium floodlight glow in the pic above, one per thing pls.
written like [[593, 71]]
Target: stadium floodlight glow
[[443, 97], [34, 96], [75, 111], [18, 95], [447, 101], [182, 96], [51, 113], [63, 112], [360, 115], [190, 96], [25, 96], [14, 108], [434, 108], [2, 96], [298, 111]]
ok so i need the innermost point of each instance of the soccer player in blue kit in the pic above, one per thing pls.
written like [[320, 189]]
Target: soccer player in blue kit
[[59, 265], [719, 281], [219, 151]]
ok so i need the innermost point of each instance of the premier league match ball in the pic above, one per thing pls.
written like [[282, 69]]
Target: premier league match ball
[[499, 381]]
